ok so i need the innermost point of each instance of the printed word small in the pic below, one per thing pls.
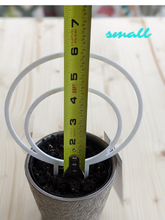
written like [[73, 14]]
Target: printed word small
[[140, 34]]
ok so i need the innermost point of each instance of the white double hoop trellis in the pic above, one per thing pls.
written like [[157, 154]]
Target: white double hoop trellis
[[108, 152]]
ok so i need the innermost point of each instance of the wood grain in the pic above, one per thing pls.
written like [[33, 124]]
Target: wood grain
[[22, 41]]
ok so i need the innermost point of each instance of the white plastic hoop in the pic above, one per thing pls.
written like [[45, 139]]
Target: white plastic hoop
[[58, 162], [91, 160]]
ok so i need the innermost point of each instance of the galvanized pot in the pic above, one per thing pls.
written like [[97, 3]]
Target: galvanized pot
[[87, 207]]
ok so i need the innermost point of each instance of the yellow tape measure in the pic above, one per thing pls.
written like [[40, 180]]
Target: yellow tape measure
[[77, 23]]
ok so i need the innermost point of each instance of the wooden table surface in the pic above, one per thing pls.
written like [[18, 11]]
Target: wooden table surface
[[23, 41]]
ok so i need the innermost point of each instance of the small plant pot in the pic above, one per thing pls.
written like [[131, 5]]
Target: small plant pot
[[88, 207]]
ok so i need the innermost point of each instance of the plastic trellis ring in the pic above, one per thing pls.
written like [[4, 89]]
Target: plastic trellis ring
[[107, 153], [58, 162]]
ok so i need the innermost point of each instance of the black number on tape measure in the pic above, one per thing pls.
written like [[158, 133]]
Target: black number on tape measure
[[72, 141], [73, 100], [73, 76], [73, 121], [74, 51], [73, 21]]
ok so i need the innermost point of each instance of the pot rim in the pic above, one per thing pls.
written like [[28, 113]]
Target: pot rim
[[109, 182]]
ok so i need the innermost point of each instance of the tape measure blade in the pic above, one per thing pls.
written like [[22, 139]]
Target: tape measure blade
[[77, 23]]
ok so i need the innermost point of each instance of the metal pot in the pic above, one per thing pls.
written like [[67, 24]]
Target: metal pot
[[87, 207]]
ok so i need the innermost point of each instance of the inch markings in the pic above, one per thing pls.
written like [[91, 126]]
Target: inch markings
[[77, 23]]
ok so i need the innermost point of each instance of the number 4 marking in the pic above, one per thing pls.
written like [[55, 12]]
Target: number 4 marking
[[73, 100]]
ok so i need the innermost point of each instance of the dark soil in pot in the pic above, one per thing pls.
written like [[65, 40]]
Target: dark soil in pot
[[42, 173]]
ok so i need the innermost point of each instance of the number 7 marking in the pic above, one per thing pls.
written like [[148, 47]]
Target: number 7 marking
[[73, 21]]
